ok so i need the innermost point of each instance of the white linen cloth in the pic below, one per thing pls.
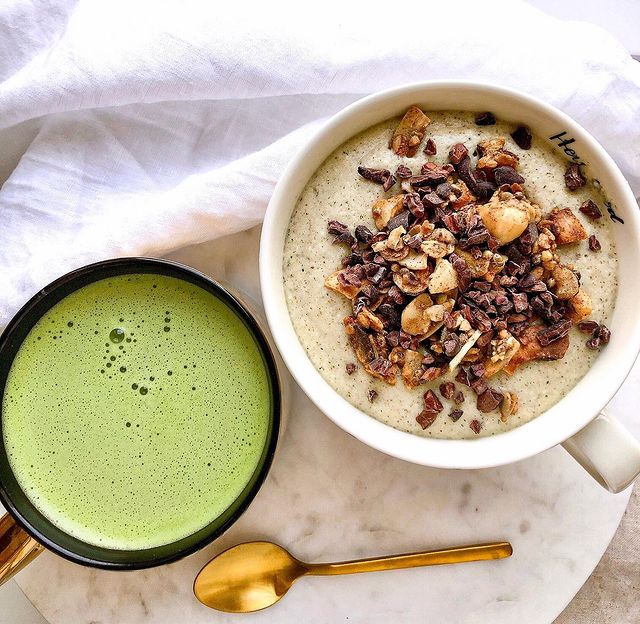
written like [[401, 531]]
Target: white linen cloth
[[142, 126]]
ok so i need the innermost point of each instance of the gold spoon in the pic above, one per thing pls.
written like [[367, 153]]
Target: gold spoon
[[255, 575]]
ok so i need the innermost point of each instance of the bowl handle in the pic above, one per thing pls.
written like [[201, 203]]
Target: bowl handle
[[607, 451], [17, 548]]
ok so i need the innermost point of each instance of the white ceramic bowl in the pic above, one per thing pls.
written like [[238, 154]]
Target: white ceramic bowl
[[605, 449]]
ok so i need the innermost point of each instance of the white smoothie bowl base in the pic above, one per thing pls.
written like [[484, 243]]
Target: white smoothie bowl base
[[603, 447]]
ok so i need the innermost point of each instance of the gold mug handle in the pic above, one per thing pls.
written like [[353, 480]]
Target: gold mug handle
[[17, 548]]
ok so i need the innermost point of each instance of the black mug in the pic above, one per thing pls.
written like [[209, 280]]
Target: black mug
[[24, 531]]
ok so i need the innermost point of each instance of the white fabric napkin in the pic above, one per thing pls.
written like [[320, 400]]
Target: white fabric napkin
[[143, 126]]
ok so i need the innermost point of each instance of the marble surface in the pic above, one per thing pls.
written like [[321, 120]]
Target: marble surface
[[330, 497]]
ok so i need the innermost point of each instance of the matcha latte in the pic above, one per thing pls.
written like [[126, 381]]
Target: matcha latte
[[136, 411]]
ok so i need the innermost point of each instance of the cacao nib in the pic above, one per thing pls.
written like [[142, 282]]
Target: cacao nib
[[604, 333], [484, 190], [372, 395], [458, 397], [455, 414], [379, 176], [352, 259], [477, 370], [520, 302], [341, 232], [413, 242], [396, 295], [593, 343], [479, 386], [351, 368], [527, 239], [447, 389], [390, 316], [506, 175], [522, 137], [451, 345], [444, 190], [476, 426], [458, 152], [430, 178], [432, 201], [374, 272], [388, 183], [430, 148], [463, 376], [413, 203], [573, 177], [481, 321], [594, 243], [489, 400], [462, 270], [432, 407], [400, 220], [588, 327], [403, 172], [425, 418], [485, 119], [549, 335], [590, 209], [484, 339], [363, 234], [428, 359]]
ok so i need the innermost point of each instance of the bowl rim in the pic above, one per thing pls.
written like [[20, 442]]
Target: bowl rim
[[98, 557], [482, 452]]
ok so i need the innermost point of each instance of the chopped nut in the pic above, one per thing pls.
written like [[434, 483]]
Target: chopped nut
[[435, 313], [414, 318], [334, 282], [409, 134], [415, 261], [368, 320], [493, 155], [384, 209], [580, 306], [566, 227], [566, 283], [411, 282], [507, 216], [434, 249], [412, 369], [509, 405], [443, 278], [501, 351], [445, 237], [371, 350]]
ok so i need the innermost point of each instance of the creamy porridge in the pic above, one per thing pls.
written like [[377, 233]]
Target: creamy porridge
[[339, 192]]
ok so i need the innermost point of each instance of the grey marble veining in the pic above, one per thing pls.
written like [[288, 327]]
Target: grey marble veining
[[330, 497]]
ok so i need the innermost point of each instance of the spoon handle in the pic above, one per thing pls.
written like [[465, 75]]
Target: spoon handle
[[459, 554]]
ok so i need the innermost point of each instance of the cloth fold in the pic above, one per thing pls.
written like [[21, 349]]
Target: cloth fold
[[142, 127]]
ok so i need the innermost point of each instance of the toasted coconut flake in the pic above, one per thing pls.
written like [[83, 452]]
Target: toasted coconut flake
[[412, 369], [531, 349], [415, 261]]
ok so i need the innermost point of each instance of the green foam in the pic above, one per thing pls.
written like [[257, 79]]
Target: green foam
[[136, 438]]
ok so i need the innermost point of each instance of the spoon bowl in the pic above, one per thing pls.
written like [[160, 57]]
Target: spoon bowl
[[254, 575]]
